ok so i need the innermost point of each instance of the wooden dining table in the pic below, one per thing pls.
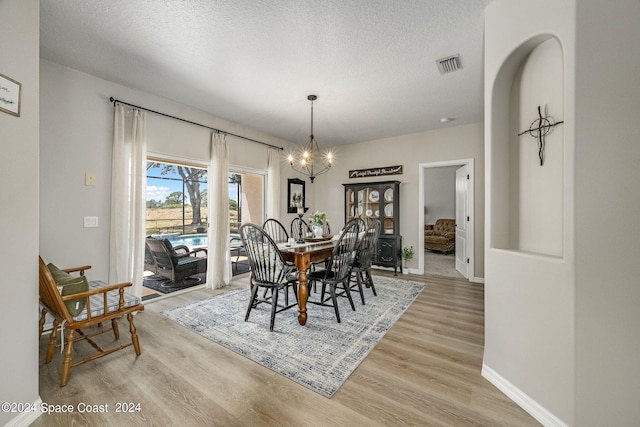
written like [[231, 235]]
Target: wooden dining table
[[302, 257]]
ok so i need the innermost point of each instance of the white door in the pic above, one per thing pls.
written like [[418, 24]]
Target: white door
[[462, 219]]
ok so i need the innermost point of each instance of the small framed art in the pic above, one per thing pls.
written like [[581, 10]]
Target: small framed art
[[296, 195], [10, 95]]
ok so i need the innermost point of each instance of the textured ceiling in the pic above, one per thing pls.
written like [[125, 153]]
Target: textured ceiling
[[372, 63]]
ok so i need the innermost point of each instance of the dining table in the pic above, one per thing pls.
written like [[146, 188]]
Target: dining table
[[302, 255]]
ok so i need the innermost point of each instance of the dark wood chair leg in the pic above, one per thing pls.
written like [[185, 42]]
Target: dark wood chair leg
[[347, 291], [274, 307], [359, 283], [369, 280], [332, 290], [254, 292]]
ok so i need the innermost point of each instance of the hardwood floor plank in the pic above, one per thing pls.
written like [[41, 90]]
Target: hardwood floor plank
[[424, 372]]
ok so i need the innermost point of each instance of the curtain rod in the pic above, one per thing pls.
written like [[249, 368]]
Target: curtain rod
[[112, 99]]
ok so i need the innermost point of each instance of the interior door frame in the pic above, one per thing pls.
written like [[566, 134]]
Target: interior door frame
[[422, 167]]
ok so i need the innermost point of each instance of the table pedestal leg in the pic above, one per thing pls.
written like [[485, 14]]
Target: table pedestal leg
[[303, 292], [302, 263]]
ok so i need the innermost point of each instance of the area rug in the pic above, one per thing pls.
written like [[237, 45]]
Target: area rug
[[320, 355]]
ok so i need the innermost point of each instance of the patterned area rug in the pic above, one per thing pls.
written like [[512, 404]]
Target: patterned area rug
[[320, 355]]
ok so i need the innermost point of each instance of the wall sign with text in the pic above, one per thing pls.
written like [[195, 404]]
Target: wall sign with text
[[386, 170], [9, 95]]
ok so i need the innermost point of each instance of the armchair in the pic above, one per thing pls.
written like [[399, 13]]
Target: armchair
[[86, 305], [176, 263], [443, 236]]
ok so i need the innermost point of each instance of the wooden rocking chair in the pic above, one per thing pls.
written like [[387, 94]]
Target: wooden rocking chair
[[101, 303]]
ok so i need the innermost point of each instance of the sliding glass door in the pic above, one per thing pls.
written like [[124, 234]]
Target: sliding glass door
[[246, 199], [177, 198]]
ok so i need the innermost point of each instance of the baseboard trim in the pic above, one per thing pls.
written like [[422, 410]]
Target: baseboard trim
[[477, 279], [24, 419], [536, 410]]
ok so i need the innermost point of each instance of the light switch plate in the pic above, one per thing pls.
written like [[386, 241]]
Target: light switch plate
[[90, 179], [90, 221]]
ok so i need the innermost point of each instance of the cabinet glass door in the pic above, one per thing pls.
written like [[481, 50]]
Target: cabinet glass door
[[388, 197], [350, 205]]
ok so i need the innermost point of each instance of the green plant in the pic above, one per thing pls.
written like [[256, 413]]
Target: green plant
[[318, 218], [407, 253]]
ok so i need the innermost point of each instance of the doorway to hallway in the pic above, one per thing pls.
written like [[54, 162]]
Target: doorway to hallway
[[446, 191]]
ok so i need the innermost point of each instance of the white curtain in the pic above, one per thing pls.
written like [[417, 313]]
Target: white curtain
[[219, 259], [128, 189], [273, 183]]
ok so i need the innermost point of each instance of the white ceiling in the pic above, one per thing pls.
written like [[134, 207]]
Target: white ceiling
[[372, 63]]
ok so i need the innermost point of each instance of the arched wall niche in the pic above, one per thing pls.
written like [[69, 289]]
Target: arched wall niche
[[526, 199]]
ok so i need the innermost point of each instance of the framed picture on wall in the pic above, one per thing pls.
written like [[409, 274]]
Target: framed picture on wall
[[10, 95], [295, 195]]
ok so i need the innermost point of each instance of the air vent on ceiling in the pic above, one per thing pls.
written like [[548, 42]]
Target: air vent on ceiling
[[449, 64]]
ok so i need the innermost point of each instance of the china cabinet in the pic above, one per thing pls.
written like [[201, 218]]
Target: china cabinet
[[378, 200]]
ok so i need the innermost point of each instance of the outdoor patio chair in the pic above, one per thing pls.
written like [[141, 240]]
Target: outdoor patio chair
[[176, 263], [75, 305]]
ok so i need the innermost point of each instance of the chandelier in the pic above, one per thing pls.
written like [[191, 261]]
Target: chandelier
[[306, 161]]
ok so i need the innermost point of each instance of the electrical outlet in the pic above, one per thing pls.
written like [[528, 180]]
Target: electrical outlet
[[90, 221], [90, 179]]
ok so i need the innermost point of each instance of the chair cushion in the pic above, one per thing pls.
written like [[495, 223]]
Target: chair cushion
[[69, 285], [73, 286], [59, 276], [113, 298]]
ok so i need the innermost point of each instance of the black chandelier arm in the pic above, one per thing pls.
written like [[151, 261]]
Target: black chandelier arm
[[307, 170]]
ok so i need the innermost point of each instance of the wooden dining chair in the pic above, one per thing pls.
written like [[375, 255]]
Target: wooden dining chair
[[276, 230], [79, 308], [337, 270], [361, 269], [268, 270], [278, 233]]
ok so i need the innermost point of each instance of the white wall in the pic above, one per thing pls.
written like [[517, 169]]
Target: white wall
[[450, 143], [19, 48], [607, 205], [77, 133], [529, 297], [563, 331]]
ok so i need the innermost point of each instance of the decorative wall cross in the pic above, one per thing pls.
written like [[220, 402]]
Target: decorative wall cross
[[539, 128]]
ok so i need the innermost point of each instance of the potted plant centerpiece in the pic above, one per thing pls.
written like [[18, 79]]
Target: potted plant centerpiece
[[317, 221]]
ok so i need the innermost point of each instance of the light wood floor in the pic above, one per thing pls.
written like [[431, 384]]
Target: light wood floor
[[424, 372]]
